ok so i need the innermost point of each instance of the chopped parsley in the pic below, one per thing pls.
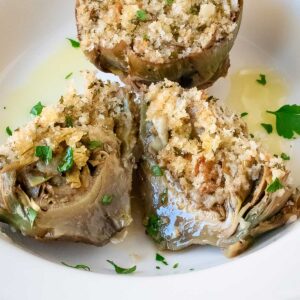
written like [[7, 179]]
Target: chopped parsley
[[169, 2], [74, 43], [106, 199], [69, 121], [267, 127], [153, 227], [164, 196], [31, 215], [69, 75], [287, 120], [161, 259], [44, 153], [244, 114], [157, 171], [141, 15], [262, 80], [284, 156], [79, 267], [8, 131], [146, 37], [157, 267], [67, 162], [120, 270], [37, 109], [252, 135], [274, 186], [176, 266], [92, 145]]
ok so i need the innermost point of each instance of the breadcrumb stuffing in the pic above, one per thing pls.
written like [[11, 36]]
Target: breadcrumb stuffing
[[204, 147], [156, 30]]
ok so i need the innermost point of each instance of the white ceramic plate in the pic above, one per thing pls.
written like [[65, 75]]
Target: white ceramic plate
[[35, 58]]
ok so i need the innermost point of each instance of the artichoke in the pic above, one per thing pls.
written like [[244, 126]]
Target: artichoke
[[137, 42], [67, 174], [204, 180]]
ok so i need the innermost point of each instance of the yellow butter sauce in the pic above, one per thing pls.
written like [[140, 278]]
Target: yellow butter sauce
[[46, 84], [247, 95]]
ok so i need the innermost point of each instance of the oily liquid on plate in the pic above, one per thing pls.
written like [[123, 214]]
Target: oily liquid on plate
[[46, 84], [247, 95]]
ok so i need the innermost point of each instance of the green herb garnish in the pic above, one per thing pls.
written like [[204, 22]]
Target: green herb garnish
[[69, 121], [31, 215], [262, 80], [67, 162], [74, 43], [37, 109], [244, 114], [164, 196], [44, 153], [176, 266], [121, 270], [141, 15], [146, 37], [8, 131], [157, 171], [274, 186], [267, 127], [169, 2], [153, 227], [92, 145], [79, 267], [161, 259], [287, 120], [157, 267], [69, 75], [284, 156], [106, 199], [252, 135]]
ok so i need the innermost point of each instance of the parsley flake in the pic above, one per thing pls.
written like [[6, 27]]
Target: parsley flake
[[153, 227], [161, 259], [74, 43], [69, 121], [244, 114], [287, 120], [274, 186], [141, 15], [69, 75], [8, 131], [169, 2], [79, 267], [284, 156], [67, 162], [262, 80], [92, 145], [120, 270], [157, 171], [176, 266], [106, 199], [267, 127], [37, 109], [44, 153]]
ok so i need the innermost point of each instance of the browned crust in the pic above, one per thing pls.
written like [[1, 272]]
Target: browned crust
[[193, 70]]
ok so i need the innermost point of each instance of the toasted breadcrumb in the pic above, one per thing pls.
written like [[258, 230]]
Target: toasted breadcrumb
[[159, 29]]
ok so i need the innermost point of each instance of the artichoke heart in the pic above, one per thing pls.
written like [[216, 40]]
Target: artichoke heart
[[55, 173], [210, 182]]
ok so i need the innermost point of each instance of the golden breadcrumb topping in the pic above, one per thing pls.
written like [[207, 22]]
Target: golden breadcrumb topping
[[156, 30], [205, 148]]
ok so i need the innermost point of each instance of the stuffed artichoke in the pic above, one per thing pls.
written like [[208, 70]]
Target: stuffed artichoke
[[67, 174], [204, 179], [147, 41]]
